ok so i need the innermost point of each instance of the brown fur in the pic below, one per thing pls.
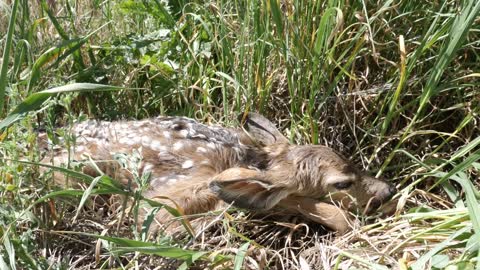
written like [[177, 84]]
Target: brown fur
[[200, 166]]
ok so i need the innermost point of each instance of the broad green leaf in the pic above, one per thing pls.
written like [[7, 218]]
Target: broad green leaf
[[472, 244], [324, 30], [35, 100], [3, 264], [10, 251], [59, 52], [50, 55], [277, 16], [105, 182], [440, 261]]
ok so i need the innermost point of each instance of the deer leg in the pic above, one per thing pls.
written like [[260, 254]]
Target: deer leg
[[326, 214]]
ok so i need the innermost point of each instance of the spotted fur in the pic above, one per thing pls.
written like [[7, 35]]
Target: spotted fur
[[200, 166]]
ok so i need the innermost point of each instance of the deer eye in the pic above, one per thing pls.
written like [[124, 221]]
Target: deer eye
[[343, 185]]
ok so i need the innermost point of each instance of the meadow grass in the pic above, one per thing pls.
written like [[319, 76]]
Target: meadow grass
[[393, 85]]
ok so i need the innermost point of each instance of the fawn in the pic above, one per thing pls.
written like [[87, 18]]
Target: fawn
[[200, 166]]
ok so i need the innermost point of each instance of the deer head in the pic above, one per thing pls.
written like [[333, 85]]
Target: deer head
[[316, 180]]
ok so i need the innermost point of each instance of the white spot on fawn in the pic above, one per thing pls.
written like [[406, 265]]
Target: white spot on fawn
[[156, 146], [163, 149], [184, 133], [166, 134], [148, 167], [146, 140], [133, 141], [159, 181], [201, 136], [104, 133], [124, 140], [171, 181], [187, 164], [211, 145], [276, 167], [201, 150], [86, 132], [177, 146], [80, 140], [138, 124]]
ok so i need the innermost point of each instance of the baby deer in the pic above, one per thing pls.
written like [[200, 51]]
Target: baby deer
[[256, 168]]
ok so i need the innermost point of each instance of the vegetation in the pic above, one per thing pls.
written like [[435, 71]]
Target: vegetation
[[391, 84]]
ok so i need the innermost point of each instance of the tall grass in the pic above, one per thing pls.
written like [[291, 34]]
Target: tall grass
[[6, 55], [392, 85]]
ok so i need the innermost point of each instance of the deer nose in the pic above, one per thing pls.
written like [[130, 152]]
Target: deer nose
[[391, 190]]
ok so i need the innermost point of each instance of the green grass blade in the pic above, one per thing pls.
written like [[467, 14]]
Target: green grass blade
[[77, 193], [26, 258], [6, 55], [61, 31], [7, 244], [86, 195], [240, 257], [173, 211], [125, 245], [104, 182], [462, 166], [54, 20], [50, 55], [420, 263], [164, 251], [58, 53], [456, 37], [370, 265], [396, 96], [3, 264], [474, 211], [35, 100], [458, 33], [324, 30], [277, 17]]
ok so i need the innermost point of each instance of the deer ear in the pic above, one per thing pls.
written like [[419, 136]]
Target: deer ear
[[261, 129], [247, 189]]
